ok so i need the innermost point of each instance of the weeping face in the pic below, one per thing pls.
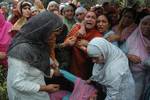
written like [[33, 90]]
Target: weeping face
[[90, 20], [26, 12], [145, 28], [102, 23]]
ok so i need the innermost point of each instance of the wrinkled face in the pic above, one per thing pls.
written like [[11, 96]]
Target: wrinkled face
[[99, 59], [80, 16], [102, 24], [26, 12], [127, 19], [145, 28], [90, 20], [68, 13]]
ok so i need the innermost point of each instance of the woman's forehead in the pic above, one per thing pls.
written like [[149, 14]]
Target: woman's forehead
[[146, 20]]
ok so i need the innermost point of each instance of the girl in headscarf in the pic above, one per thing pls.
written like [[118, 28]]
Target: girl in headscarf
[[68, 19], [25, 12], [80, 13], [138, 51], [5, 39], [111, 69], [52, 6], [28, 59]]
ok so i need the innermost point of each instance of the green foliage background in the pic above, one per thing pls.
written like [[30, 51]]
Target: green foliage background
[[3, 88]]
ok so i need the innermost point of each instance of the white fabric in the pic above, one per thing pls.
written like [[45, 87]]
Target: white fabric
[[52, 3], [23, 81], [34, 8], [114, 73], [80, 10]]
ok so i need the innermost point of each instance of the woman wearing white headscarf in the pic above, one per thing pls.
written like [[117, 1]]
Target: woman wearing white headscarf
[[53, 6], [111, 69], [80, 13]]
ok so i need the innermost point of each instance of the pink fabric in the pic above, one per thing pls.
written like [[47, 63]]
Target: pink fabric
[[5, 38], [137, 43], [58, 95], [82, 90]]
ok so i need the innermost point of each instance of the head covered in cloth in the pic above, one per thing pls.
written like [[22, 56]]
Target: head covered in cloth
[[31, 43], [22, 4]]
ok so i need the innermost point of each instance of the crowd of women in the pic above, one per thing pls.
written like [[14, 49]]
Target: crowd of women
[[69, 52]]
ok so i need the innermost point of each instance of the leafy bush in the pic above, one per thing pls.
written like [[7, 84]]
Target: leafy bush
[[3, 88]]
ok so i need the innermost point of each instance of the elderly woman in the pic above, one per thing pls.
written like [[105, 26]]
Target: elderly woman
[[28, 59], [138, 50], [111, 69]]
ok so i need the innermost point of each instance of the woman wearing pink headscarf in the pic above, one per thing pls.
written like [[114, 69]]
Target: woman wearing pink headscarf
[[5, 38], [138, 45]]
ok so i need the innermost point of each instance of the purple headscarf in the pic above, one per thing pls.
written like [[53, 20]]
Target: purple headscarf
[[137, 43]]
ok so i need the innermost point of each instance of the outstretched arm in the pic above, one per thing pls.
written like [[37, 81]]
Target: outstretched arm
[[68, 75]]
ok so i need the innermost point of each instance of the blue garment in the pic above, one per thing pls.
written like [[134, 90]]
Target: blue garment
[[71, 78], [107, 34], [68, 76]]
